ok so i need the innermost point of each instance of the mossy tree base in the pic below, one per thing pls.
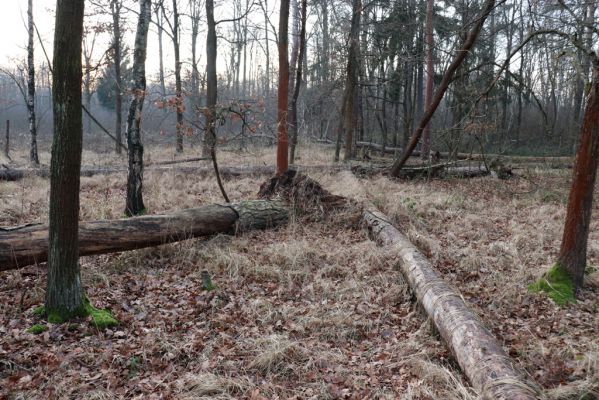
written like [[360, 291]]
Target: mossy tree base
[[101, 319], [557, 284]]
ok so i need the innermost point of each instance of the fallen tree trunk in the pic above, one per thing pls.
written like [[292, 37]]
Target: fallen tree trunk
[[225, 172], [28, 245], [479, 354], [182, 161], [377, 147]]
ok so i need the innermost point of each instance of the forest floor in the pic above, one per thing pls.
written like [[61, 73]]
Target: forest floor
[[312, 310]]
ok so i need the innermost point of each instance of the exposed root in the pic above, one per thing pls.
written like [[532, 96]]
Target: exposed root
[[309, 199]]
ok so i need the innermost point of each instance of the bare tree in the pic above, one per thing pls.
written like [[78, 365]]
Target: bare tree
[[175, 35], [64, 293], [293, 122], [115, 10], [33, 157], [159, 11], [348, 116], [283, 92], [134, 202], [430, 73]]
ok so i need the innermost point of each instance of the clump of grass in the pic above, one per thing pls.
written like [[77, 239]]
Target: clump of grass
[[557, 284], [211, 386], [275, 354], [37, 329]]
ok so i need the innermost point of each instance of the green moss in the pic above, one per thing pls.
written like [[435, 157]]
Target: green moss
[[39, 311], [62, 315], [101, 319], [557, 284], [37, 329], [207, 282], [134, 365]]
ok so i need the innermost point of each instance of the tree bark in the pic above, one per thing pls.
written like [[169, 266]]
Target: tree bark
[[29, 245], [283, 92], [64, 293], [572, 255], [462, 53], [134, 203], [479, 354], [33, 157]]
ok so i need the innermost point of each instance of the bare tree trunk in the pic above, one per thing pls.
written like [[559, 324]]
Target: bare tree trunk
[[64, 293], [430, 73], [295, 44], [7, 141], [267, 48], [298, 82], [178, 89], [115, 8], [244, 87], [211, 94], [572, 255], [135, 203], [211, 81], [348, 115], [283, 94], [87, 82], [325, 42], [195, 73], [160, 22], [33, 157], [455, 64]]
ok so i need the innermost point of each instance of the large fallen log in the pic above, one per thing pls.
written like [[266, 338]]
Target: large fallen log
[[28, 245], [377, 147], [490, 370], [225, 172]]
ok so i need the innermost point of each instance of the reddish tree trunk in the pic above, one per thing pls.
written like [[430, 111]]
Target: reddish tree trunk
[[282, 136], [572, 255]]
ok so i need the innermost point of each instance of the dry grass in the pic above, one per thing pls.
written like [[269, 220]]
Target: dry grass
[[313, 310]]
